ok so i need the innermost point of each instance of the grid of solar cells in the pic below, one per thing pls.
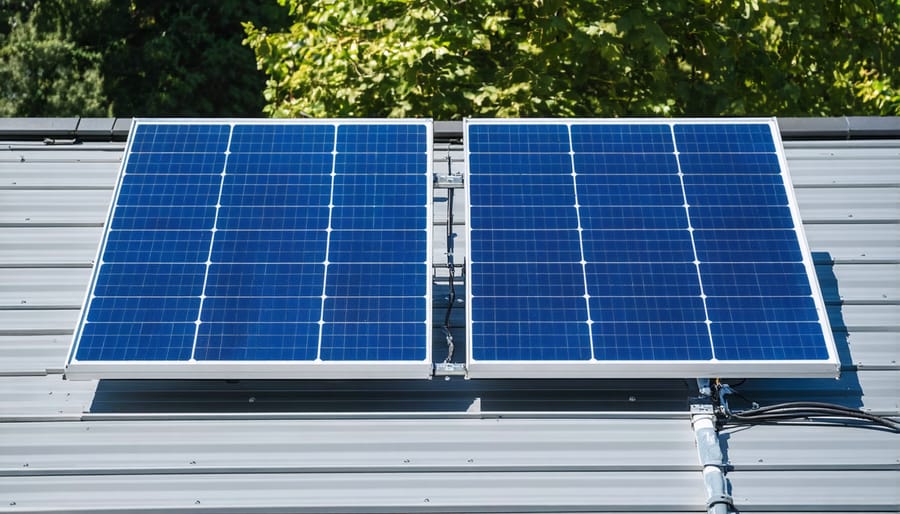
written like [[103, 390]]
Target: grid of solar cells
[[757, 290], [378, 250], [150, 276], [645, 296], [525, 272], [634, 242], [265, 242]]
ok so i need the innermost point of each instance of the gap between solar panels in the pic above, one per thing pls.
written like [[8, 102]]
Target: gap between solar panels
[[264, 249], [638, 248]]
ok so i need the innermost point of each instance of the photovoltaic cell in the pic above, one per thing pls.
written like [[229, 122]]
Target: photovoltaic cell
[[263, 249], [608, 248]]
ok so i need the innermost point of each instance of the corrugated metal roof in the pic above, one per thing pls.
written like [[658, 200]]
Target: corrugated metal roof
[[430, 446]]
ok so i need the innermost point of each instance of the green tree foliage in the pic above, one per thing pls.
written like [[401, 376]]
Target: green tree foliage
[[137, 58], [44, 72], [452, 58]]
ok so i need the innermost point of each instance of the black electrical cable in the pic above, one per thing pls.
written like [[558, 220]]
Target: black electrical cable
[[810, 411], [451, 268]]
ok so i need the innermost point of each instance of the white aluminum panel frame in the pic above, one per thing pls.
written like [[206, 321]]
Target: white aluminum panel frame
[[386, 369], [829, 367]]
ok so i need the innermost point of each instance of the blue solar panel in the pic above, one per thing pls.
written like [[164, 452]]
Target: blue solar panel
[[263, 249], [609, 248]]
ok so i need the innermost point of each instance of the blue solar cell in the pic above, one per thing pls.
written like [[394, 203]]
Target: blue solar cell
[[379, 164], [377, 246], [279, 246], [647, 309], [747, 217], [175, 164], [151, 246], [361, 279], [651, 341], [272, 140], [179, 138], [136, 341], [719, 138], [626, 138], [627, 190], [382, 139], [521, 165], [762, 309], [374, 341], [587, 164], [169, 190], [747, 246], [518, 138], [379, 217], [532, 195], [265, 279], [649, 216], [163, 218], [735, 190], [642, 279], [520, 189], [525, 246], [527, 341], [764, 279], [257, 341], [240, 164], [375, 309], [637, 246], [154, 309], [385, 189], [274, 190], [149, 279], [293, 309], [527, 279], [768, 341], [730, 163], [284, 217], [528, 308], [496, 218]]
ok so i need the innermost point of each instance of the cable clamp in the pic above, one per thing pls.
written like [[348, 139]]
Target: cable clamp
[[720, 499]]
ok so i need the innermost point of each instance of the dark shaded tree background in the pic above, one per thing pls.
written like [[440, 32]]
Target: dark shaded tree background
[[136, 58]]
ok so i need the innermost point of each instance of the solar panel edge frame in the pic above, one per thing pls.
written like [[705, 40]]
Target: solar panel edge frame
[[101, 246], [88, 370], [828, 368]]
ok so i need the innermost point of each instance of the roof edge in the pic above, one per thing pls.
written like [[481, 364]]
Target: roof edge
[[116, 129], [792, 128], [843, 127], [77, 128]]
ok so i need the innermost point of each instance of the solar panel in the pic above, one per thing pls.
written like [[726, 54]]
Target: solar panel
[[611, 248], [264, 249]]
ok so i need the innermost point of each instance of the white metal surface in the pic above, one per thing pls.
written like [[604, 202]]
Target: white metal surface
[[142, 457]]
